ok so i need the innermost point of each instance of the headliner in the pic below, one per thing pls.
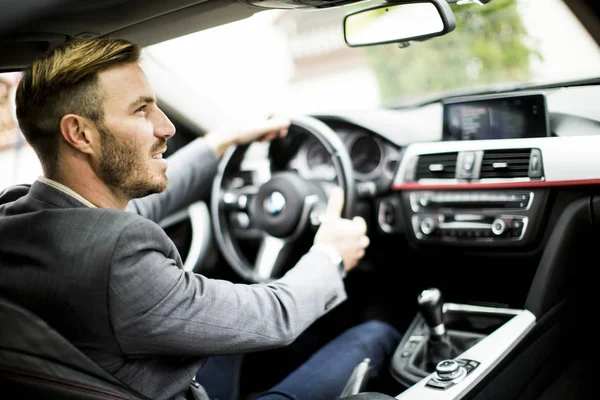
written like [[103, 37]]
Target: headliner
[[32, 27]]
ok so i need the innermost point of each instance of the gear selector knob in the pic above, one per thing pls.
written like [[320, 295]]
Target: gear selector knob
[[431, 303]]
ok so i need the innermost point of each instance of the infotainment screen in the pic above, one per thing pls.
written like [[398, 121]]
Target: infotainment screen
[[495, 117]]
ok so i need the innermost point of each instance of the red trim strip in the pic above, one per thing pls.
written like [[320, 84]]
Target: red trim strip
[[494, 185]]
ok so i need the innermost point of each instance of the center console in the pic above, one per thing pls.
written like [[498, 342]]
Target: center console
[[485, 189], [450, 347], [474, 196]]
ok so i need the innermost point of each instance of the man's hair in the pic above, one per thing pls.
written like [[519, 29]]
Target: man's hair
[[65, 81]]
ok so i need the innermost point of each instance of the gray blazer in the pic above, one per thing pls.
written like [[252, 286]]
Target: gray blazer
[[112, 282]]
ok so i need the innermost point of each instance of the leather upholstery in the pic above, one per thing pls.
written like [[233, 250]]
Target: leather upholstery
[[37, 362]]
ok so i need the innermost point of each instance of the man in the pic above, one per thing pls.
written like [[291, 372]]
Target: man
[[80, 247]]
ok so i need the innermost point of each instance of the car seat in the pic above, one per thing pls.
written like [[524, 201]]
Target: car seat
[[37, 362]]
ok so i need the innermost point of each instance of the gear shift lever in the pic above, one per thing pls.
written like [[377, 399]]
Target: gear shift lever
[[438, 345], [431, 303]]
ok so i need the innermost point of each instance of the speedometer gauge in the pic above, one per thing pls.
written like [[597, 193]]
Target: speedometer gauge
[[319, 162], [366, 155]]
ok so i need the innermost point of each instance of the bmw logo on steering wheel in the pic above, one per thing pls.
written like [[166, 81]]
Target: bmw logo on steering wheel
[[274, 204]]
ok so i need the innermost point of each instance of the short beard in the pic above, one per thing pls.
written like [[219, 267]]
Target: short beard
[[122, 167]]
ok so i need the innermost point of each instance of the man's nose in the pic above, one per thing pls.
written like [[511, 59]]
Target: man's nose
[[163, 127]]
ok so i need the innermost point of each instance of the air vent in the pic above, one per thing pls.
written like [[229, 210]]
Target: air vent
[[436, 166], [509, 163]]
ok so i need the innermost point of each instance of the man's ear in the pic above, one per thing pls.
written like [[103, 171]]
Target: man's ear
[[79, 133]]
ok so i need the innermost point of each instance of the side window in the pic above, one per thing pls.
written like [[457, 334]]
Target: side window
[[18, 162]]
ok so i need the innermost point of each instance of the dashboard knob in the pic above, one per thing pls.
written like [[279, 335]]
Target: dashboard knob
[[498, 227], [427, 226], [447, 370]]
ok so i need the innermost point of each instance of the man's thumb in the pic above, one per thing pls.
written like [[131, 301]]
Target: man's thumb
[[335, 203]]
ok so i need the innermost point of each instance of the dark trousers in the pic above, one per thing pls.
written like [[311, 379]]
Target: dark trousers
[[322, 377]]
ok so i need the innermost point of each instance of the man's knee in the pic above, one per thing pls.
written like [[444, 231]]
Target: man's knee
[[380, 330], [377, 336]]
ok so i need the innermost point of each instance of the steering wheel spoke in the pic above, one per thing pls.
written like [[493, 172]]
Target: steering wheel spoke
[[271, 257], [238, 199]]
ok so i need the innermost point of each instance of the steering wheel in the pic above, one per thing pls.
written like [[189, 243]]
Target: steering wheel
[[274, 207]]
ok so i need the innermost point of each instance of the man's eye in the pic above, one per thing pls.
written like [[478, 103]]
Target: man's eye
[[141, 109]]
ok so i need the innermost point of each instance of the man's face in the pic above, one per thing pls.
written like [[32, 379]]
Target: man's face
[[133, 134]]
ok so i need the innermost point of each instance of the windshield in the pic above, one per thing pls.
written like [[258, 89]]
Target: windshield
[[297, 61]]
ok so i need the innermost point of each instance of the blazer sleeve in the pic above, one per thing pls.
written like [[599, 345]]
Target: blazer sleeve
[[157, 308], [191, 172]]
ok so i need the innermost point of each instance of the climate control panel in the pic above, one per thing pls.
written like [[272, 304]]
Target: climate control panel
[[476, 227], [486, 218]]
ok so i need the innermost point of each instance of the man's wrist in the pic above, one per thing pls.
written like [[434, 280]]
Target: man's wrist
[[219, 142], [332, 253]]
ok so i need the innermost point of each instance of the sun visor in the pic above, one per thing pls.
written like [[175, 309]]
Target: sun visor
[[20, 50]]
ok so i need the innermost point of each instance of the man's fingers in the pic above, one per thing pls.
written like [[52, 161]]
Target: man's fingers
[[360, 223], [335, 203], [277, 123], [365, 241], [268, 137]]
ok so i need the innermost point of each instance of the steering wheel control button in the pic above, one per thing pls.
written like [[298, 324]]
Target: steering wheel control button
[[242, 201], [230, 200], [242, 221], [317, 215]]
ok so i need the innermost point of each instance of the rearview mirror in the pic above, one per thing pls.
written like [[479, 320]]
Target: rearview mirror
[[398, 22]]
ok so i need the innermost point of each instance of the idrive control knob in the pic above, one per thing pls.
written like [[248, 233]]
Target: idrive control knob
[[447, 370], [427, 225], [498, 227]]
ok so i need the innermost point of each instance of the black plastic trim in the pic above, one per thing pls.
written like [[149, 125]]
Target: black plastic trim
[[549, 285]]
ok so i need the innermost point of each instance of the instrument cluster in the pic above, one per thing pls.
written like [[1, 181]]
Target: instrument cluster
[[373, 159]]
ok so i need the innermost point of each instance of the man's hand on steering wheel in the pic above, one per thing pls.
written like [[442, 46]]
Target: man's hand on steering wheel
[[243, 132], [347, 236]]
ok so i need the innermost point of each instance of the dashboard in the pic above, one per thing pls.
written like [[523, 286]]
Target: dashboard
[[476, 190]]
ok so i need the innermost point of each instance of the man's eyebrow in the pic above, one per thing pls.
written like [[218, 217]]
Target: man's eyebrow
[[142, 100]]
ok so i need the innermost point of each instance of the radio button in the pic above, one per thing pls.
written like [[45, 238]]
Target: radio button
[[498, 227], [427, 226]]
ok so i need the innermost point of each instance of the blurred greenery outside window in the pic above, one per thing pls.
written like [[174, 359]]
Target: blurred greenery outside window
[[489, 46]]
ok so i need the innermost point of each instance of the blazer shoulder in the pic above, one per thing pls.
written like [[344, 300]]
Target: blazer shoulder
[[130, 225], [123, 233], [13, 193], [121, 220]]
